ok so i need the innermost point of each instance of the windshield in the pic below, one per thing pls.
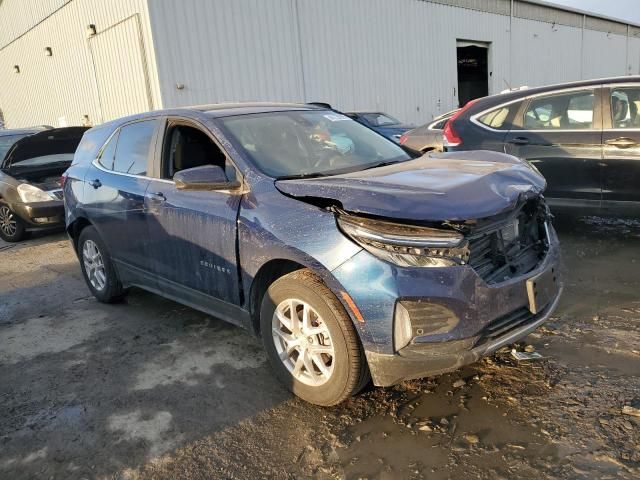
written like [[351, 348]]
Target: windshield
[[310, 143], [379, 119], [6, 142]]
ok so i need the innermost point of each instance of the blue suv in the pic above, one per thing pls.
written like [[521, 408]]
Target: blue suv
[[349, 256]]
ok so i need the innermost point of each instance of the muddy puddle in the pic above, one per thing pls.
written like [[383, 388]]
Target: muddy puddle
[[443, 432]]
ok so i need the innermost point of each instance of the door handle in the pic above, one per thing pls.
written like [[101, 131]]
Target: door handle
[[519, 141], [157, 197], [622, 142], [96, 183]]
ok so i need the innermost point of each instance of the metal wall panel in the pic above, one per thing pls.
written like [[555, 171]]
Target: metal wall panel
[[604, 25], [61, 88], [604, 54], [18, 16], [542, 13], [544, 54], [225, 51], [501, 7]]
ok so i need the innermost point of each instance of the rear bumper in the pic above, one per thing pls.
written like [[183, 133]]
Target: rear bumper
[[40, 214], [424, 360]]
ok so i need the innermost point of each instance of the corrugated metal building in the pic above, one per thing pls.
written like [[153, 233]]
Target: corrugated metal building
[[68, 62]]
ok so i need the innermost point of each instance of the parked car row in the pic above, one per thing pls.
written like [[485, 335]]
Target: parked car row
[[350, 251]]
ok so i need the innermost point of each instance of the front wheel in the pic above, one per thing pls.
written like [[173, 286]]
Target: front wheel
[[11, 227], [310, 340]]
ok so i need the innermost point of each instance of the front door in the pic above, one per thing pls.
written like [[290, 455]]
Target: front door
[[192, 233], [621, 144], [561, 135]]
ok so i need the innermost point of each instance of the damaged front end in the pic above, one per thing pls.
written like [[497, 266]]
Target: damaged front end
[[450, 292]]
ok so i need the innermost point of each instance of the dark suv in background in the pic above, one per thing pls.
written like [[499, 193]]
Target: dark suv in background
[[584, 137]]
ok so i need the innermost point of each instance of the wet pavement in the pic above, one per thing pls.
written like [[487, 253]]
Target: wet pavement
[[152, 389]]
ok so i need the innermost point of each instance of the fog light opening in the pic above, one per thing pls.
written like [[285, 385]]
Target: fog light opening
[[402, 331]]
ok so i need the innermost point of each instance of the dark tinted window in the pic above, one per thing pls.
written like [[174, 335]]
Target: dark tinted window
[[133, 147], [109, 153], [625, 103], [90, 144], [572, 111]]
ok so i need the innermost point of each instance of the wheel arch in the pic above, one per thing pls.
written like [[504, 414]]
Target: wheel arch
[[74, 229]]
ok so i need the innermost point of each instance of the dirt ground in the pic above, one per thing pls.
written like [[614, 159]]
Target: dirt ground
[[151, 389]]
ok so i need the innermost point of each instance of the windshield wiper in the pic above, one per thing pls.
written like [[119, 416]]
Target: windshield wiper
[[381, 164], [302, 175]]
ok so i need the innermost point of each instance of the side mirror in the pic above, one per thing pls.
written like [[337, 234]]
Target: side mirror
[[207, 177]]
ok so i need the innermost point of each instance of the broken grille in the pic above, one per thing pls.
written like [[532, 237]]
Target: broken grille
[[512, 249]]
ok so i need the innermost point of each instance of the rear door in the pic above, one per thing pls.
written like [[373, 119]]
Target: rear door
[[115, 186], [193, 233], [621, 144], [561, 134]]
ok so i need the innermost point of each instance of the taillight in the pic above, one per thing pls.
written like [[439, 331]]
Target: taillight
[[63, 180], [451, 137], [403, 139]]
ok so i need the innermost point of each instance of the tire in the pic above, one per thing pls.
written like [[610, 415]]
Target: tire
[[12, 228], [345, 370], [106, 287]]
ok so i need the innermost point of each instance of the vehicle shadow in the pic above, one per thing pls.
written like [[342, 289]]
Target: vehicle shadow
[[92, 389]]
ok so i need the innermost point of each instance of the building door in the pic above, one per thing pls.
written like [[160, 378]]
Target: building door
[[120, 68], [473, 70]]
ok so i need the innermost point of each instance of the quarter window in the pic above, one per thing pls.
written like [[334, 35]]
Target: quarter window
[[496, 118], [625, 103], [109, 153], [132, 152], [567, 111]]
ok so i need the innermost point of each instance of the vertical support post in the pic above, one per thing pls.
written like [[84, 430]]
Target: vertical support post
[[584, 21]]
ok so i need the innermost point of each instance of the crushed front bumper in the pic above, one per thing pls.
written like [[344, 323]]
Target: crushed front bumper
[[426, 360], [39, 215]]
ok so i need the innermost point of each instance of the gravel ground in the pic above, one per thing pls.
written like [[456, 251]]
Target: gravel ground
[[150, 389]]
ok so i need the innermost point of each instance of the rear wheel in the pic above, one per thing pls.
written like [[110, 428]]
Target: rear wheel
[[311, 341], [11, 226], [97, 267]]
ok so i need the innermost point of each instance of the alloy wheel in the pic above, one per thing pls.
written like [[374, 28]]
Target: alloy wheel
[[8, 223], [94, 265], [303, 342]]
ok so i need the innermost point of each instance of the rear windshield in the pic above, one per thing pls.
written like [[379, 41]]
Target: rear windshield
[[309, 143], [6, 142], [43, 151], [379, 119]]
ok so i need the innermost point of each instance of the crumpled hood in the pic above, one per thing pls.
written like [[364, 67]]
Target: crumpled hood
[[434, 187]]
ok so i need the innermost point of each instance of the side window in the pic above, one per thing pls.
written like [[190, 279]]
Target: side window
[[567, 111], [188, 147], [134, 142], [439, 125], [496, 118], [625, 103], [109, 153]]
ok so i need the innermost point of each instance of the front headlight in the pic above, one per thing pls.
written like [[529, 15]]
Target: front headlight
[[406, 245], [29, 193]]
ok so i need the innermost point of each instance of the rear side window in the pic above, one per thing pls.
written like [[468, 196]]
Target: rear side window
[[572, 111], [132, 151], [90, 144], [496, 118]]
